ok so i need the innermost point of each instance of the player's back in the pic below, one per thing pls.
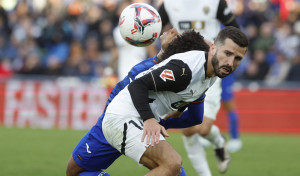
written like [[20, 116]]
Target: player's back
[[200, 15], [128, 55]]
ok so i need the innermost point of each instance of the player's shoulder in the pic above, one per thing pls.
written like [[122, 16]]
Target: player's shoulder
[[190, 53], [194, 59], [196, 55]]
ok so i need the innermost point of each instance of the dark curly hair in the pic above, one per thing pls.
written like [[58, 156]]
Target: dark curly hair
[[187, 41]]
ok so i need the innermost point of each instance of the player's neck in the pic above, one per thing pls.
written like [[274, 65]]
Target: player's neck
[[210, 69], [159, 55]]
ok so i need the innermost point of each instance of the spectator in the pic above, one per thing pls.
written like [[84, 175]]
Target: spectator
[[287, 42], [265, 40], [278, 70], [4, 28], [258, 67], [48, 27], [252, 33], [71, 66], [32, 65], [5, 70], [294, 72]]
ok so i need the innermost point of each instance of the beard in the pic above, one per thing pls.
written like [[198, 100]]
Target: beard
[[217, 68]]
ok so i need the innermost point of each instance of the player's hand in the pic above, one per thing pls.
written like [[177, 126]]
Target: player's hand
[[152, 130], [174, 114]]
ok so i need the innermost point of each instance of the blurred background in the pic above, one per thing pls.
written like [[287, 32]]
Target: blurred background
[[54, 51], [59, 61], [75, 38]]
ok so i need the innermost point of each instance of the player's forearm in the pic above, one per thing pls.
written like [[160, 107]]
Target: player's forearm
[[193, 116], [138, 90]]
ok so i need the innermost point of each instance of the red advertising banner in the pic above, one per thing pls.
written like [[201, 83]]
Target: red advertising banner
[[59, 104], [270, 111], [73, 104]]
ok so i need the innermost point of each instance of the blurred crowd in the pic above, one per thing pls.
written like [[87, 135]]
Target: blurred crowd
[[74, 38], [273, 29]]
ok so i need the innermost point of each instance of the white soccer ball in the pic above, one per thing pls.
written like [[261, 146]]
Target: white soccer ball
[[140, 24]]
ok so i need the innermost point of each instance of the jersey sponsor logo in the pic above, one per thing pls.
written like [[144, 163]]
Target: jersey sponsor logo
[[196, 25], [87, 148], [184, 25], [178, 104], [206, 10], [167, 74], [192, 92], [183, 72]]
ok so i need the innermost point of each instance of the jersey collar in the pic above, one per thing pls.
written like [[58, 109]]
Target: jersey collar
[[205, 64]]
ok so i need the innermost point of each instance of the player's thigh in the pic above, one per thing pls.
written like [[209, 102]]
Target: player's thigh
[[73, 169], [212, 102], [212, 106], [124, 134], [160, 154]]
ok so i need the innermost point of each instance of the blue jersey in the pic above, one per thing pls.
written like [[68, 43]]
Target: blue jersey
[[140, 67]]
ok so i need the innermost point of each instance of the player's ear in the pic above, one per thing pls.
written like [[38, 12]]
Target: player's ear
[[208, 42], [212, 48]]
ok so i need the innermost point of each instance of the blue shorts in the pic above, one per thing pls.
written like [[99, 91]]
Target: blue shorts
[[93, 152], [227, 87]]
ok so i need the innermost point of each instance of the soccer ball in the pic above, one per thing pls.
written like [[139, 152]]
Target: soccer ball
[[140, 24]]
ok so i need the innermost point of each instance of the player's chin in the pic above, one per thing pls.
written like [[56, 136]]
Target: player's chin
[[223, 75]]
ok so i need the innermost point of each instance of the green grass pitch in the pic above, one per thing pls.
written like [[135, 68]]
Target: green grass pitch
[[34, 152]]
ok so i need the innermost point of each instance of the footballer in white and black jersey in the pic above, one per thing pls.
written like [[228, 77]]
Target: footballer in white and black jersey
[[168, 86], [204, 16]]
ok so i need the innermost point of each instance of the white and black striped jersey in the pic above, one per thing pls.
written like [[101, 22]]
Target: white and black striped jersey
[[204, 16], [165, 87]]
